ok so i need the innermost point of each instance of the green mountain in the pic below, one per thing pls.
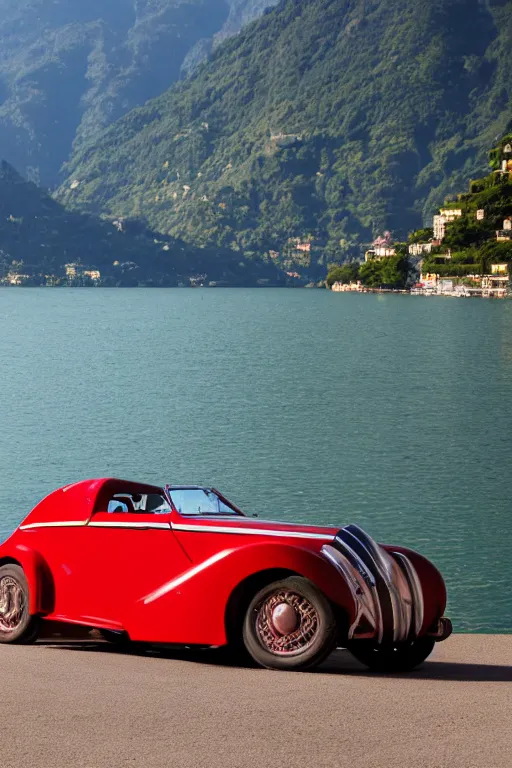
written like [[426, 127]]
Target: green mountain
[[68, 68], [320, 125], [38, 237]]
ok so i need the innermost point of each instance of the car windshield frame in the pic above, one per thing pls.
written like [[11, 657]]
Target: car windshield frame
[[231, 511]]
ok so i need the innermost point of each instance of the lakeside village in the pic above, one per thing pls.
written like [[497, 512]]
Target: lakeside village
[[467, 252]]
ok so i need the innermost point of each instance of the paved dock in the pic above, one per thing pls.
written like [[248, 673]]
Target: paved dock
[[87, 705]]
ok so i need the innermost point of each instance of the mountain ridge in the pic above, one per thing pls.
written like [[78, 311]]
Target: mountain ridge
[[319, 125], [39, 238], [70, 68]]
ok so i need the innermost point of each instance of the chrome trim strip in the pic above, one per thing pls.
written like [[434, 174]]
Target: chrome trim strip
[[99, 524], [413, 579], [364, 596], [384, 568], [140, 525], [60, 524], [397, 589], [251, 531], [186, 576]]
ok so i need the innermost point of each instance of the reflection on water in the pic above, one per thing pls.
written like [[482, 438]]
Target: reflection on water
[[389, 411]]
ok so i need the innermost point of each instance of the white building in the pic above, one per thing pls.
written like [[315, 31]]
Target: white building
[[443, 218], [417, 249], [439, 227], [380, 252], [450, 214]]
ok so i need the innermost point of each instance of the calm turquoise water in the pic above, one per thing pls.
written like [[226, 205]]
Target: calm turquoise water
[[390, 411]]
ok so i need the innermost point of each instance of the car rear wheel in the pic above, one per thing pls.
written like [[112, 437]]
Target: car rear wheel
[[402, 657], [16, 623], [290, 625]]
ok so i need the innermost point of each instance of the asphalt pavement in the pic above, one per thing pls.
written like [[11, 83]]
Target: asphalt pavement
[[84, 704]]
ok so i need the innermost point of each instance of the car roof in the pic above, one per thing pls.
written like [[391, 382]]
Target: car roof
[[77, 502]]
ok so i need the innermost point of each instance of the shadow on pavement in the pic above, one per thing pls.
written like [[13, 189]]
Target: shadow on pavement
[[339, 663]]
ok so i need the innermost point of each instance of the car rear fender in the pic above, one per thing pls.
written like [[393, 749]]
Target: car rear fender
[[37, 573], [193, 607]]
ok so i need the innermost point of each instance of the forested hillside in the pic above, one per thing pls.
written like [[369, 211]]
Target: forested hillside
[[68, 68], [320, 125], [38, 237]]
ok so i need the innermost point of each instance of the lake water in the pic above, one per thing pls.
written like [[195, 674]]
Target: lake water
[[393, 412]]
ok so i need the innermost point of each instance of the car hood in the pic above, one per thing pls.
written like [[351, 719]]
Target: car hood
[[231, 524]]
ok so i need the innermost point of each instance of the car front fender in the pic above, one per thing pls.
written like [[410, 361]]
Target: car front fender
[[433, 587], [192, 607]]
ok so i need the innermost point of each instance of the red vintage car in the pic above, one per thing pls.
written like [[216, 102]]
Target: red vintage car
[[183, 565]]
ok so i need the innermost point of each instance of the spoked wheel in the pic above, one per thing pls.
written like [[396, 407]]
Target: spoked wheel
[[16, 623], [402, 657], [290, 625]]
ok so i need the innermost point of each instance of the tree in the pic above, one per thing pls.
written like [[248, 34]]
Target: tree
[[346, 273], [421, 235], [390, 272]]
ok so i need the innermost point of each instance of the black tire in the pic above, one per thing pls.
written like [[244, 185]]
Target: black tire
[[402, 657], [16, 623], [315, 635]]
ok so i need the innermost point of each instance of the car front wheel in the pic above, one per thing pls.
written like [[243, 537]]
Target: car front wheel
[[402, 657], [16, 623], [290, 625]]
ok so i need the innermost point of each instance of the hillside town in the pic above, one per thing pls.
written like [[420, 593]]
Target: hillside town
[[466, 253]]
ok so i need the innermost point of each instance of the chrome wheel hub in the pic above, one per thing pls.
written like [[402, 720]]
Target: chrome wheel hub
[[286, 623], [12, 604], [284, 618]]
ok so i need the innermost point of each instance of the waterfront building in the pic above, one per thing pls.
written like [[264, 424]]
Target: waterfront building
[[356, 287], [495, 286], [13, 278], [71, 270], [79, 271], [92, 274]]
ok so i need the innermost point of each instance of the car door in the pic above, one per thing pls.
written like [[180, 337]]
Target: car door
[[127, 555]]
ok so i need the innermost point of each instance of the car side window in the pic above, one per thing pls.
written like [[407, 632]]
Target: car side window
[[142, 504], [115, 505]]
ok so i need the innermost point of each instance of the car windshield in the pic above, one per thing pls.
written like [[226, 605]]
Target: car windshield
[[199, 501]]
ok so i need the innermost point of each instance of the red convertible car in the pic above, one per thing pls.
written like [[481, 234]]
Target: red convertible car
[[183, 565]]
